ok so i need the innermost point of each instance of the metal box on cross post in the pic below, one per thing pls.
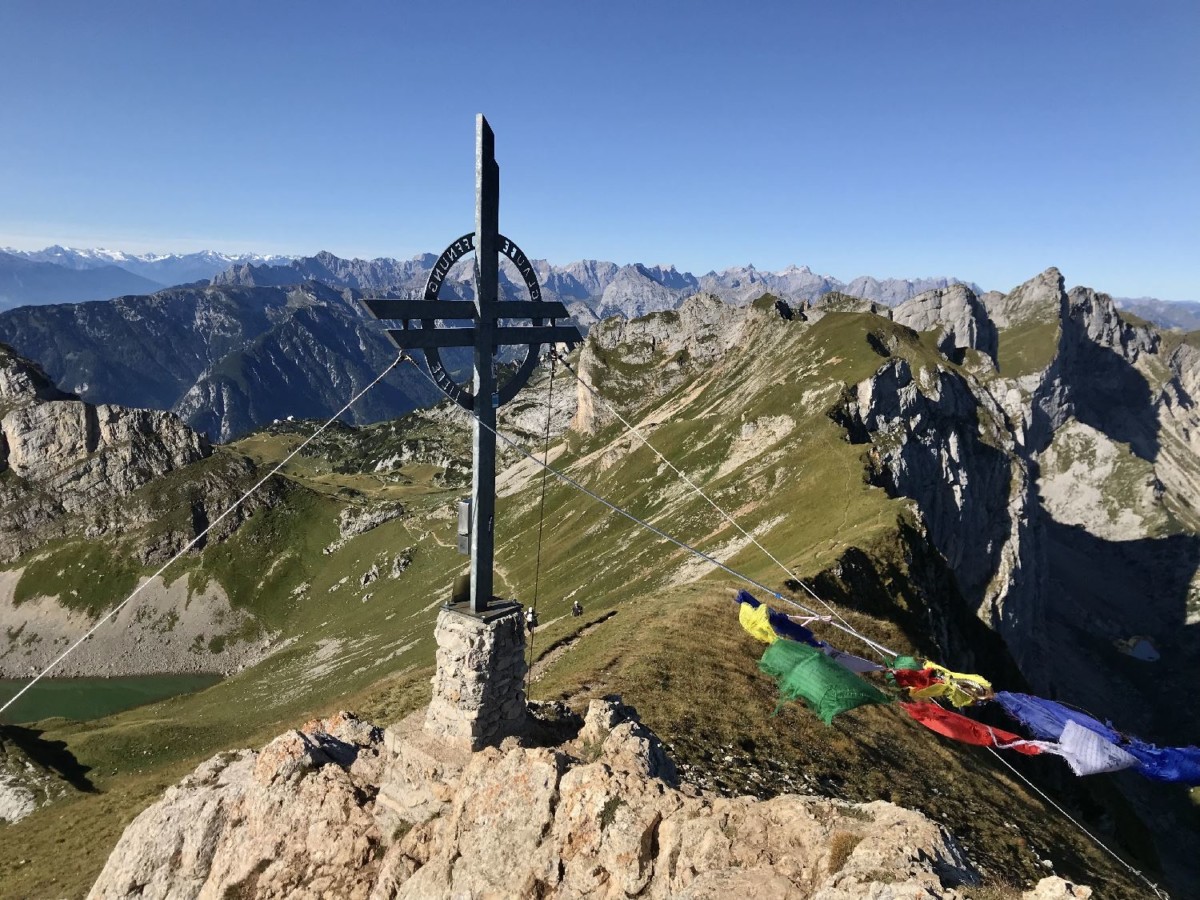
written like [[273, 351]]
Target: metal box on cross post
[[420, 330], [464, 526]]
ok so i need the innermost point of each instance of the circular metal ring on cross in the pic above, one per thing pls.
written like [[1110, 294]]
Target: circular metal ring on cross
[[452, 254]]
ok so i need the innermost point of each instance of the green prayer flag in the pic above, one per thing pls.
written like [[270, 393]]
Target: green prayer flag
[[804, 672]]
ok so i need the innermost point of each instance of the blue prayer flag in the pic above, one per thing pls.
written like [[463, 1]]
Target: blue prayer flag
[[1046, 719]]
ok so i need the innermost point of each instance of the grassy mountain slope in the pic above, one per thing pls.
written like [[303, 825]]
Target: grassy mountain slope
[[747, 415]]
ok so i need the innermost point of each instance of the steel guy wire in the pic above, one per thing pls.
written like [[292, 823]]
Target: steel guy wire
[[537, 571], [649, 527], [697, 489], [1159, 892]]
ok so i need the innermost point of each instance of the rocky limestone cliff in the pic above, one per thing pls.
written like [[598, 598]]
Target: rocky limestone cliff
[[64, 457], [1033, 300], [1178, 408], [940, 440], [82, 453], [1061, 490], [700, 331], [591, 811], [958, 316], [23, 383]]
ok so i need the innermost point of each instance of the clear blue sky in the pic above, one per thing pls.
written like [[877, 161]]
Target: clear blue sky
[[986, 140]]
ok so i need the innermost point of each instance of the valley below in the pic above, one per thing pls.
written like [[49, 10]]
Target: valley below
[[1006, 483]]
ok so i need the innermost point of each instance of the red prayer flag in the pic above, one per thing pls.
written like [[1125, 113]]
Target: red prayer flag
[[916, 678], [960, 728]]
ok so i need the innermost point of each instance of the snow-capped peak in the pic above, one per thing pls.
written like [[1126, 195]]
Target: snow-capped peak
[[162, 268]]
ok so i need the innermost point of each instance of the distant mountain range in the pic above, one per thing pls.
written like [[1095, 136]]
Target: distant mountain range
[[265, 341], [591, 289], [1181, 314], [67, 275], [25, 281]]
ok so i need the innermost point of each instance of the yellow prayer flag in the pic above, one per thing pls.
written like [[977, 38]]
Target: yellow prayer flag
[[755, 622], [960, 689]]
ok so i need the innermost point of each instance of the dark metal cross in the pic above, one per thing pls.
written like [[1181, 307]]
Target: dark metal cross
[[486, 336]]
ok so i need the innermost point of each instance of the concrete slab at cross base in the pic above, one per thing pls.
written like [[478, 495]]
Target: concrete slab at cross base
[[479, 687], [420, 774]]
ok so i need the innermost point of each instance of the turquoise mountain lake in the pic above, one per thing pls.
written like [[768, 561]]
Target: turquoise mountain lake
[[91, 698]]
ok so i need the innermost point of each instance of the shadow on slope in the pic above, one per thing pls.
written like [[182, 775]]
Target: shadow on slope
[[50, 755], [1108, 392], [1102, 591]]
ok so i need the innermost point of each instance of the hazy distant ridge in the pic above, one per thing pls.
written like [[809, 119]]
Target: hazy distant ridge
[[69, 275], [592, 289]]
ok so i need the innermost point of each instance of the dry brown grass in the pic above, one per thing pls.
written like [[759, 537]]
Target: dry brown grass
[[841, 845]]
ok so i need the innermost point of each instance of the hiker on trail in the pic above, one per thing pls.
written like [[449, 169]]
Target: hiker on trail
[[531, 621], [577, 609]]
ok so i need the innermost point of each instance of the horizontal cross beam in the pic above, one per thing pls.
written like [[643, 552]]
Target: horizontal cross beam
[[423, 338], [393, 308]]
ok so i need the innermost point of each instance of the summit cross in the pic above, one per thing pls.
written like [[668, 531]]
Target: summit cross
[[485, 336]]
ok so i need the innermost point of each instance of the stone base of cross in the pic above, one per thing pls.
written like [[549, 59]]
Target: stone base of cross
[[479, 689], [479, 695]]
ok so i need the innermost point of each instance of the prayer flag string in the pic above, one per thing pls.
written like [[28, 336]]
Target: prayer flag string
[[829, 682]]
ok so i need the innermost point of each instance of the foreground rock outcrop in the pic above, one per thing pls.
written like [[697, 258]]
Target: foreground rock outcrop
[[597, 814]]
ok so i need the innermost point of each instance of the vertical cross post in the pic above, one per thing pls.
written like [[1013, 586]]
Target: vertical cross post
[[483, 478]]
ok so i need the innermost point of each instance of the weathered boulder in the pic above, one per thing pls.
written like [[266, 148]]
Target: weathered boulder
[[1055, 888], [290, 821], [596, 816]]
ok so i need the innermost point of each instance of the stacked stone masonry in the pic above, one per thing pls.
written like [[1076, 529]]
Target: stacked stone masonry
[[479, 688]]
